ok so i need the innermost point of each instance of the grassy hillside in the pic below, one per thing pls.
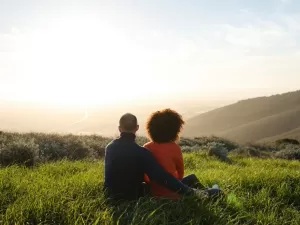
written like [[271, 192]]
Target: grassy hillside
[[259, 192], [250, 120], [62, 182]]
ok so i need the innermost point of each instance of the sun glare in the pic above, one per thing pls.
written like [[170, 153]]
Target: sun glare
[[78, 61]]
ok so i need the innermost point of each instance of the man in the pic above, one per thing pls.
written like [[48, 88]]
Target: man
[[126, 163]]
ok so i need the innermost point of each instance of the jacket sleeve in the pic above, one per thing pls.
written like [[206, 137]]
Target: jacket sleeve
[[146, 178], [156, 173], [107, 166]]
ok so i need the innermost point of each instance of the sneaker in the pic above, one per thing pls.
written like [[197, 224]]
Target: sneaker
[[215, 186]]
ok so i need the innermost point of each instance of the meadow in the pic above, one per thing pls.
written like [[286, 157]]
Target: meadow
[[260, 189]]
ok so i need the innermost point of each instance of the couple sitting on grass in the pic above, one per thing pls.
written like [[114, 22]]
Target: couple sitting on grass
[[157, 169]]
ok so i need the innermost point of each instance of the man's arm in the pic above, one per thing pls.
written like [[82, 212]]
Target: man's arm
[[156, 173], [178, 160], [107, 166]]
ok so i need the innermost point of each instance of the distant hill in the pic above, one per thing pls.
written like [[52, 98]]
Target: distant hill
[[258, 119]]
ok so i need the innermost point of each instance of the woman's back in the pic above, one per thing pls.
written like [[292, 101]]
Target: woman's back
[[169, 156]]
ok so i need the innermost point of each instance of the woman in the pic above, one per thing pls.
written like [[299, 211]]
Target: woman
[[163, 128]]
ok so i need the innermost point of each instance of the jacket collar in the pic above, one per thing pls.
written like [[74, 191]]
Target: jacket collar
[[128, 136]]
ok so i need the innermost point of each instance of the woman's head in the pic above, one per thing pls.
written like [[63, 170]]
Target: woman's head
[[164, 126]]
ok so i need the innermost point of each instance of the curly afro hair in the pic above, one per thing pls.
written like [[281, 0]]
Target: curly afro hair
[[164, 126]]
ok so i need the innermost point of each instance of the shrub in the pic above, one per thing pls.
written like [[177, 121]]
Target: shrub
[[267, 147], [229, 145], [96, 149], [98, 152], [287, 141], [51, 147], [219, 150], [194, 148], [251, 152], [20, 152], [141, 140], [188, 142], [291, 152], [56, 147], [76, 150]]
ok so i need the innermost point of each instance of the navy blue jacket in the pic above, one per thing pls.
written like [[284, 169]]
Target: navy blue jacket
[[125, 165]]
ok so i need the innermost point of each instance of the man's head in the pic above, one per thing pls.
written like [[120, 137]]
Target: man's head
[[128, 123]]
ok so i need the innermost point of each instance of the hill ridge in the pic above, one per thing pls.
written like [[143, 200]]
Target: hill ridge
[[248, 114]]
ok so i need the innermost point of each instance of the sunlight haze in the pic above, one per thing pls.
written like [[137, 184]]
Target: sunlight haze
[[106, 52]]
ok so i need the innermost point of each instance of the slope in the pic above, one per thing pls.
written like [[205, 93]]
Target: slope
[[267, 127], [294, 134], [247, 120]]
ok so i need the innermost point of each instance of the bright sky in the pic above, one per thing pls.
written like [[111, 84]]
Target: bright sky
[[95, 51]]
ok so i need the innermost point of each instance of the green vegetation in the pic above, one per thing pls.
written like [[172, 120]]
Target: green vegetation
[[31, 149], [55, 179], [258, 192], [34, 148], [287, 141]]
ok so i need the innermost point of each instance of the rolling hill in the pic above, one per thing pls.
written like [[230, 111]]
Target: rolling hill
[[258, 119]]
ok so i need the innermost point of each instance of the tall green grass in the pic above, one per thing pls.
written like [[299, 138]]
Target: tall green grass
[[258, 192]]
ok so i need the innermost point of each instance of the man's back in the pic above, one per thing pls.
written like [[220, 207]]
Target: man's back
[[123, 170]]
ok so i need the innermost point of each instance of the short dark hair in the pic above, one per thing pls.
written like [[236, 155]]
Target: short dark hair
[[164, 126], [128, 122]]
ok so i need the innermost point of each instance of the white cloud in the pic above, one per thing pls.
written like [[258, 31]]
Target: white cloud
[[263, 37]]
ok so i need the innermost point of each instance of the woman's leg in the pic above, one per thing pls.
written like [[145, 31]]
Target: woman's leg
[[215, 193], [192, 181]]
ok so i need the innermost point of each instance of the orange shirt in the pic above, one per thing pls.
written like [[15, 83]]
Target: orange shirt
[[169, 156]]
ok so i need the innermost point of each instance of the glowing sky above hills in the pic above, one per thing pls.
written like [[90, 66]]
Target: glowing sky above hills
[[99, 52]]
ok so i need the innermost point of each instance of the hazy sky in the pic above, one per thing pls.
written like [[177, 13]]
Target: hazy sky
[[108, 51]]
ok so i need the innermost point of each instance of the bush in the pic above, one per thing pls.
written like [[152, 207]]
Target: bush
[[291, 152], [99, 152], [287, 141], [229, 145], [188, 142], [55, 147], [76, 150], [194, 148], [251, 152], [219, 150], [96, 150], [20, 152], [51, 147], [266, 147], [141, 140]]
